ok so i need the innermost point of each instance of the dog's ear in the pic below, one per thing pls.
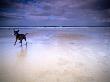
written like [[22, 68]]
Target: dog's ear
[[18, 31]]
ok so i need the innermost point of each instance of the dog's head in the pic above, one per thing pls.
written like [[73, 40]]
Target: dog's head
[[16, 32]]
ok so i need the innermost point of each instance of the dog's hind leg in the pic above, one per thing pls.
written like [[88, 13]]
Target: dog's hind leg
[[25, 41]]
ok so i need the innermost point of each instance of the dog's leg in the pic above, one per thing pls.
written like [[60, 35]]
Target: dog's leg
[[21, 42], [15, 42], [25, 41]]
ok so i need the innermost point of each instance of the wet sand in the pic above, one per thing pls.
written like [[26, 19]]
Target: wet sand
[[56, 55]]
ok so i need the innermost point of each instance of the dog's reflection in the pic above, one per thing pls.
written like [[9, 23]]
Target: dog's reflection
[[22, 52], [21, 57]]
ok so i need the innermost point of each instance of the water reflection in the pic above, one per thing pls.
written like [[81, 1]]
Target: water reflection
[[22, 52]]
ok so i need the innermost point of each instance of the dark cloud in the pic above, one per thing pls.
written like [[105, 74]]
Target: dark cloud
[[97, 5], [11, 3], [103, 4], [66, 11], [5, 4]]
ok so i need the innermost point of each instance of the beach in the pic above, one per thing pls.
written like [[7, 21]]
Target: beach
[[56, 55]]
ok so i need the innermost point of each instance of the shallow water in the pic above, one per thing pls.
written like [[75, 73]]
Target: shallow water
[[56, 55]]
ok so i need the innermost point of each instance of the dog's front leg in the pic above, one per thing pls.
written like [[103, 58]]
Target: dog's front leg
[[15, 42], [21, 42]]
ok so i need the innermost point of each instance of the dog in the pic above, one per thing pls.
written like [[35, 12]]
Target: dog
[[20, 37]]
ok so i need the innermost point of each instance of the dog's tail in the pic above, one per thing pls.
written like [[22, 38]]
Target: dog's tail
[[26, 34]]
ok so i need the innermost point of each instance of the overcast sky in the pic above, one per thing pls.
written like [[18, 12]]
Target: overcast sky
[[54, 12]]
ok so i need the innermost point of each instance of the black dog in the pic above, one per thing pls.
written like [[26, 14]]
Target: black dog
[[20, 37]]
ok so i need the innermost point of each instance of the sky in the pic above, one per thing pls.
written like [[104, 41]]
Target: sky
[[54, 13]]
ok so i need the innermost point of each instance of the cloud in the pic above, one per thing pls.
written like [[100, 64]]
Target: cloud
[[6, 16], [67, 11], [97, 5]]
